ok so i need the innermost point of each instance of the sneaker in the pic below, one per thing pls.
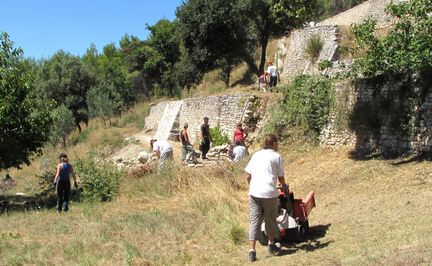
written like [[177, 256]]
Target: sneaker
[[252, 256], [273, 250]]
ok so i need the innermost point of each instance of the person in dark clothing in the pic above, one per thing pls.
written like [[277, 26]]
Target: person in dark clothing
[[62, 182], [205, 138]]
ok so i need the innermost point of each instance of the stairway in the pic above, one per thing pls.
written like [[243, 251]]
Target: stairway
[[168, 121]]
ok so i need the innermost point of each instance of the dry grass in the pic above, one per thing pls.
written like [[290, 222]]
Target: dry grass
[[368, 213]]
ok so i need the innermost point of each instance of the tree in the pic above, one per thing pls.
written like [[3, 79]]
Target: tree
[[104, 101], [155, 57], [273, 19], [23, 128], [407, 47], [66, 80], [62, 124], [214, 34]]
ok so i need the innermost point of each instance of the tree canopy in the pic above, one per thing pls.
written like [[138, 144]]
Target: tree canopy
[[23, 127], [406, 48]]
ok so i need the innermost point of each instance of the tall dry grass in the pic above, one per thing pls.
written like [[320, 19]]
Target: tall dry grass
[[372, 212]]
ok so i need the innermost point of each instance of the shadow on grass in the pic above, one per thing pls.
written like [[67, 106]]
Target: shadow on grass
[[19, 203], [310, 243], [416, 158]]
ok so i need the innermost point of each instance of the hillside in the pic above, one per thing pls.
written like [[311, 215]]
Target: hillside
[[368, 212], [373, 211]]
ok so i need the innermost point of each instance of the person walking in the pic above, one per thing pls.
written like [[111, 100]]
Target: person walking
[[164, 152], [205, 138], [264, 170], [62, 182], [274, 74]]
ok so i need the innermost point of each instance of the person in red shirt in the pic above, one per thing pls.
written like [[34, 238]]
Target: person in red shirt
[[240, 135]]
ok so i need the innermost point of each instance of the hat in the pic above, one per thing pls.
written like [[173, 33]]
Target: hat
[[185, 125]]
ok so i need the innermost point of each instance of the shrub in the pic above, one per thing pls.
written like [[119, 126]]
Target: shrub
[[324, 64], [218, 137], [100, 180], [314, 47], [305, 107]]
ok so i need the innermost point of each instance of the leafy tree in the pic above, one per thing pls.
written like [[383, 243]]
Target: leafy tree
[[23, 127], [407, 47], [273, 19], [214, 34], [62, 124], [153, 60], [109, 68], [66, 80], [104, 101]]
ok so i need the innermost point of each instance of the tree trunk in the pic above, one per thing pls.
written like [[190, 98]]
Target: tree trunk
[[64, 142], [78, 126], [264, 42], [227, 74], [251, 64]]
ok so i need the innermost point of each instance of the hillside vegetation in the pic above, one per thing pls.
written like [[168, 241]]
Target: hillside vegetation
[[368, 212]]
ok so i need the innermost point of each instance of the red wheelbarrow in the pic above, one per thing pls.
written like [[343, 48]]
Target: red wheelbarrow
[[293, 216]]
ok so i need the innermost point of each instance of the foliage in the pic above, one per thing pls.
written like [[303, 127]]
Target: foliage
[[104, 101], [23, 127], [62, 124], [214, 34], [100, 180], [313, 47], [154, 59], [218, 137], [407, 47], [324, 64], [66, 80], [109, 68], [273, 19], [306, 106]]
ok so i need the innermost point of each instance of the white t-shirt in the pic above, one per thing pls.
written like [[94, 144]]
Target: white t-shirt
[[265, 167], [162, 146], [239, 153], [272, 70]]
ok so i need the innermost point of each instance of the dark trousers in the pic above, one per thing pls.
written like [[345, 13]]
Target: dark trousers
[[205, 147], [63, 192], [273, 81]]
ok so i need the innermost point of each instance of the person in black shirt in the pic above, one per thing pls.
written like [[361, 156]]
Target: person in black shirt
[[205, 138]]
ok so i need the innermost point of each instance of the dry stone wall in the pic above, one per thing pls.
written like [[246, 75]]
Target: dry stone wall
[[297, 61], [151, 122], [382, 117], [374, 9], [224, 111]]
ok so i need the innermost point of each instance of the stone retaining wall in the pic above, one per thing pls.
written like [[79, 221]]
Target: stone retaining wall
[[224, 111], [387, 135], [296, 60]]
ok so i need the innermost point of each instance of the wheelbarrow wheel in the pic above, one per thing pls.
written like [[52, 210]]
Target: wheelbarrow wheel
[[301, 232], [264, 239]]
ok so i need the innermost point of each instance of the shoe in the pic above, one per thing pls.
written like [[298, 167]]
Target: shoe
[[273, 250], [252, 256]]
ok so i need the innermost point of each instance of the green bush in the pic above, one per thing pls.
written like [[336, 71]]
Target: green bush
[[304, 108], [314, 47], [99, 179], [324, 64], [218, 137]]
